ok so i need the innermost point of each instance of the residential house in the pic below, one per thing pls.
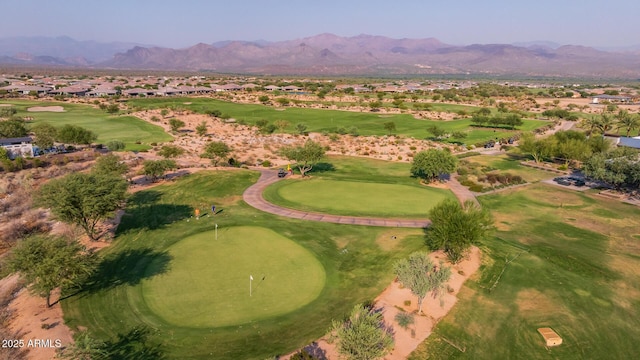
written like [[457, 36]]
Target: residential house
[[17, 147]]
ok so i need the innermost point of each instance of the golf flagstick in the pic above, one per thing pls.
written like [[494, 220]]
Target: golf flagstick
[[250, 280]]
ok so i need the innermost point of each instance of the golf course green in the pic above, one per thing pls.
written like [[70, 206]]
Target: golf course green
[[357, 198], [209, 283]]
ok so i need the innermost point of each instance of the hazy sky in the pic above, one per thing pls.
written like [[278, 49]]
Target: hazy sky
[[182, 23]]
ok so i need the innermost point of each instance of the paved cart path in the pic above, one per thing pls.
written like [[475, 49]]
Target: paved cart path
[[253, 197]]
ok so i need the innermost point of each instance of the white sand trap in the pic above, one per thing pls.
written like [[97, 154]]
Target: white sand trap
[[6, 105], [46, 108]]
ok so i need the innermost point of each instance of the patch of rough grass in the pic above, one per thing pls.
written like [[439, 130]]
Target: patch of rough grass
[[390, 239]]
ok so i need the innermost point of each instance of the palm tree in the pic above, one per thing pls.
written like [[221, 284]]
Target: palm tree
[[591, 123], [627, 121], [605, 123]]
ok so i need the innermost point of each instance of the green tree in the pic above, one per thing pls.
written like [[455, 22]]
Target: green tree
[[390, 126], [422, 276], [283, 101], [4, 154], [459, 135], [591, 124], [113, 109], [49, 263], [512, 120], [627, 121], [305, 156], [115, 145], [154, 169], [538, 149], [619, 168], [437, 131], [45, 134], [176, 124], [170, 151], [363, 336], [201, 129], [110, 164], [7, 111], [216, 150], [73, 134], [431, 164], [83, 199], [454, 228], [484, 111], [12, 129], [605, 123]]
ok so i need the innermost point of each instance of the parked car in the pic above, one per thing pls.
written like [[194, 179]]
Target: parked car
[[282, 173]]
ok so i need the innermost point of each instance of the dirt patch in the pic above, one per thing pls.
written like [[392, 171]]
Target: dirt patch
[[393, 299], [35, 321], [46, 108], [531, 300]]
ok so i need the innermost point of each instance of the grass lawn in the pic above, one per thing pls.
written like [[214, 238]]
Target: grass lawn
[[505, 163], [573, 265], [318, 120], [208, 285], [358, 187], [350, 264], [127, 129], [357, 198]]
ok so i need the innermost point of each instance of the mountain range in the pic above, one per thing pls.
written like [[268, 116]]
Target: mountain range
[[328, 54]]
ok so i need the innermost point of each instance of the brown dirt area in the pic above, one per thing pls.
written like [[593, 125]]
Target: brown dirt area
[[30, 314], [392, 299], [249, 146]]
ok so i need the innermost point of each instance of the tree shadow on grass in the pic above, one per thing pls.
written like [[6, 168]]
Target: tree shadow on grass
[[134, 345], [323, 167], [153, 216], [128, 268]]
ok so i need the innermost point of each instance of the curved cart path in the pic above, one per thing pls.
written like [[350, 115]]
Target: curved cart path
[[253, 197]]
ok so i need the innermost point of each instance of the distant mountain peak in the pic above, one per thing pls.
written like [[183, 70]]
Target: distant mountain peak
[[330, 54]]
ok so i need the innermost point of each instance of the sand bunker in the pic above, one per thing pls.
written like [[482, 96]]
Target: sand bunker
[[1, 105], [46, 108]]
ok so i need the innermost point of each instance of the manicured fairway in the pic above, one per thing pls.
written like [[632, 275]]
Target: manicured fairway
[[208, 282], [324, 120], [358, 198], [165, 273], [560, 259], [127, 129]]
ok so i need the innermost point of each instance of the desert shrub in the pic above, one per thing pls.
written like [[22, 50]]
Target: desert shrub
[[407, 303], [266, 163], [467, 182], [303, 355], [462, 171], [476, 188], [404, 319]]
